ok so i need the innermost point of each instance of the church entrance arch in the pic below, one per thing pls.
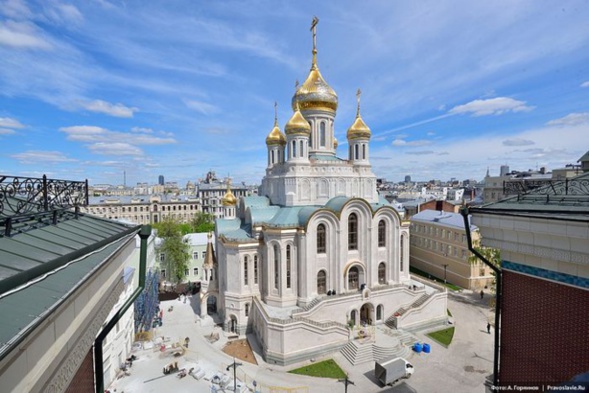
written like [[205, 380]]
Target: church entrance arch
[[367, 314], [208, 304], [233, 324]]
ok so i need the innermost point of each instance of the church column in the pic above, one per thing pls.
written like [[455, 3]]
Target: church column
[[302, 268]]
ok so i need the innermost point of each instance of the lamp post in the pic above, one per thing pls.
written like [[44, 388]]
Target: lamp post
[[234, 365], [445, 266], [346, 382]]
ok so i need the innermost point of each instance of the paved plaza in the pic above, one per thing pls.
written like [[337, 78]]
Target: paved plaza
[[462, 368]]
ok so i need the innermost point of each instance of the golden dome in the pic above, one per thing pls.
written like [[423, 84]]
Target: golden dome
[[297, 124], [359, 130], [315, 93], [229, 199], [276, 137]]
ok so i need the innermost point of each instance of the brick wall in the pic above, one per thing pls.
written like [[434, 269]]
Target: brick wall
[[83, 381], [544, 331]]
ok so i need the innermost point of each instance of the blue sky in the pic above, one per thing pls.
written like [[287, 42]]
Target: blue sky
[[94, 88]]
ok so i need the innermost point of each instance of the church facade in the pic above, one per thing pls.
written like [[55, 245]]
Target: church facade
[[317, 251]]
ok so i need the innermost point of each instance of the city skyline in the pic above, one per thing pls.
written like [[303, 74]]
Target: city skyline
[[96, 89]]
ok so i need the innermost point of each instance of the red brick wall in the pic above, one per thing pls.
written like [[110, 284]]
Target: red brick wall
[[544, 331], [83, 382]]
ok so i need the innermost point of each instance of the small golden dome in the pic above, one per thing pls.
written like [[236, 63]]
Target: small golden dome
[[297, 124], [335, 144], [276, 137], [359, 130], [229, 199]]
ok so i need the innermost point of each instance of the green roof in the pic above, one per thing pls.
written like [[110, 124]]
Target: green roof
[[39, 268]]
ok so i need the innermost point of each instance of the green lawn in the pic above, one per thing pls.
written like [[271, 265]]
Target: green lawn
[[421, 273], [443, 336], [326, 369]]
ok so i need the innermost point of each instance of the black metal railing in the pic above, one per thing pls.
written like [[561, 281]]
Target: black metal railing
[[575, 186], [25, 199]]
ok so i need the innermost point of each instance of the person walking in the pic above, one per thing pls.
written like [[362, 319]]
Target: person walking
[[482, 294], [488, 328]]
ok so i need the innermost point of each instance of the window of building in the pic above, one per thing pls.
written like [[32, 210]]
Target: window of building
[[195, 255], [288, 266], [247, 309], [294, 149], [353, 278], [276, 266], [301, 149], [255, 269], [322, 134], [382, 273], [245, 278], [482, 272], [186, 272], [162, 257], [353, 232], [321, 282], [321, 247], [195, 271], [163, 273], [379, 312], [402, 247], [363, 151], [356, 152], [382, 233], [204, 254]]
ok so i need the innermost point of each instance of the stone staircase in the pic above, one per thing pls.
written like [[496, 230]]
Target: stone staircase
[[390, 321], [399, 345]]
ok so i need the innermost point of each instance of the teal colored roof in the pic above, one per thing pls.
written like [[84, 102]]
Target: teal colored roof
[[41, 267], [324, 157], [287, 217], [233, 229], [305, 213], [263, 215], [256, 201], [337, 203]]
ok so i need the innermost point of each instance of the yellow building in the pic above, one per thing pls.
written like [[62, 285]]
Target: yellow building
[[439, 247]]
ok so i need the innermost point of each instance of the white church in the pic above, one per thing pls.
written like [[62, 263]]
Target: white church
[[317, 252]]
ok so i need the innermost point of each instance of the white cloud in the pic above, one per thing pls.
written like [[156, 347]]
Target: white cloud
[[64, 14], [37, 157], [6, 131], [572, 119], [492, 106], [116, 110], [99, 134], [202, 107], [402, 142], [585, 84], [15, 9], [517, 142], [7, 122], [421, 153], [142, 130], [431, 133], [21, 35], [115, 149]]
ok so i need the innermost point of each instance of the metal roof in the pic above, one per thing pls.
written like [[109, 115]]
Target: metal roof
[[39, 268]]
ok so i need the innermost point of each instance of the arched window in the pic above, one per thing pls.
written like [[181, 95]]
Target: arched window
[[255, 269], [322, 134], [321, 247], [288, 253], [353, 232], [276, 266], [382, 270], [379, 312], [247, 309], [402, 251], [302, 150], [245, 261], [382, 233], [321, 282], [294, 149], [364, 151], [353, 278], [272, 159], [356, 152]]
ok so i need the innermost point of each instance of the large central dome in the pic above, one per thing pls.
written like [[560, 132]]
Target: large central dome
[[315, 93]]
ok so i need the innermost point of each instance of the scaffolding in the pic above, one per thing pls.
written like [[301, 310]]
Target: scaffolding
[[147, 303]]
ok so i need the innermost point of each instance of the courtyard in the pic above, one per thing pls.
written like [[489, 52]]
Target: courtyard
[[462, 367]]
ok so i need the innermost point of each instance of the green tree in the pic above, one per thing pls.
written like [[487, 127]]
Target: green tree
[[175, 248], [492, 255], [203, 222]]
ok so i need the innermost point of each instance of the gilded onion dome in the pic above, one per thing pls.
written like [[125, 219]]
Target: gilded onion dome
[[315, 93], [359, 130], [275, 137], [297, 125], [229, 199]]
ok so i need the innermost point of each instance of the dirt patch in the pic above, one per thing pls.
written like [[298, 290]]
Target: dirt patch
[[240, 349]]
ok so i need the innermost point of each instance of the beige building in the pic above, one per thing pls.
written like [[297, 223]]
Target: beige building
[[143, 209], [438, 247]]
